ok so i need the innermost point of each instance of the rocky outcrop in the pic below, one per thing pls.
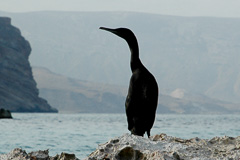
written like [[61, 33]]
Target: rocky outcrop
[[19, 154], [158, 147], [163, 147], [18, 91], [5, 113]]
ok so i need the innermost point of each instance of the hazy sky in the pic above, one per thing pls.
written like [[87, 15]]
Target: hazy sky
[[216, 8]]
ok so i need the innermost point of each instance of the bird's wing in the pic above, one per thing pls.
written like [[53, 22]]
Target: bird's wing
[[131, 101], [134, 101]]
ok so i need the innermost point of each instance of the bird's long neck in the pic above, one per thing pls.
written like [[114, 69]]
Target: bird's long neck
[[135, 62]]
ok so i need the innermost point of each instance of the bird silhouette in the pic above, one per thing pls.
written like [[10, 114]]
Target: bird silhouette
[[142, 99]]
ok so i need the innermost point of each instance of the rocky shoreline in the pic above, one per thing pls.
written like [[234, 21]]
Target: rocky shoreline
[[160, 147]]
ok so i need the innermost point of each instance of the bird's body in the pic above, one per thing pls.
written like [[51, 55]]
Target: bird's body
[[142, 98]]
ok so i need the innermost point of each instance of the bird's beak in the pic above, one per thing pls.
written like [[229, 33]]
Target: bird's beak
[[109, 29]]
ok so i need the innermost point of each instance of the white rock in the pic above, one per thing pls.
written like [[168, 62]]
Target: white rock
[[168, 148]]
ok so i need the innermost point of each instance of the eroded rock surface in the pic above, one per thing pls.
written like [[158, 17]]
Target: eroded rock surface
[[158, 147], [163, 147]]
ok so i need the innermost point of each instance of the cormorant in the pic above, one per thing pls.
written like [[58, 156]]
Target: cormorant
[[142, 99]]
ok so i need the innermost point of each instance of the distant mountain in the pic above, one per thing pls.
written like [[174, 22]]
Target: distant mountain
[[72, 95], [196, 54], [18, 92]]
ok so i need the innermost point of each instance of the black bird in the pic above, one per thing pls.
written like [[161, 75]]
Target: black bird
[[142, 99]]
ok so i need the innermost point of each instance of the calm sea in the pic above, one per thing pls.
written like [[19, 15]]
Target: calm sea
[[81, 133]]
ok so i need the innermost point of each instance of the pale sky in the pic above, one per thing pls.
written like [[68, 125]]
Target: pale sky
[[213, 8]]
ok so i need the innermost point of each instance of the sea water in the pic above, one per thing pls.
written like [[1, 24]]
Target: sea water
[[82, 133]]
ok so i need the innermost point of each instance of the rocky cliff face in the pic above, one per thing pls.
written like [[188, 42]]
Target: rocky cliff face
[[18, 92]]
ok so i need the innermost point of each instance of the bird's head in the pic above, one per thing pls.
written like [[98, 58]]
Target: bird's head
[[124, 33]]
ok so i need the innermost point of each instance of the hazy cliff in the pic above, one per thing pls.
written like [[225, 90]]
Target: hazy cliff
[[18, 92], [197, 54]]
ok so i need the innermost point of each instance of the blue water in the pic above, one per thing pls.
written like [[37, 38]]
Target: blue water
[[81, 133]]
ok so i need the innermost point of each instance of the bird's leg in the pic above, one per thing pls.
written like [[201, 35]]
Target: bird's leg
[[148, 133]]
